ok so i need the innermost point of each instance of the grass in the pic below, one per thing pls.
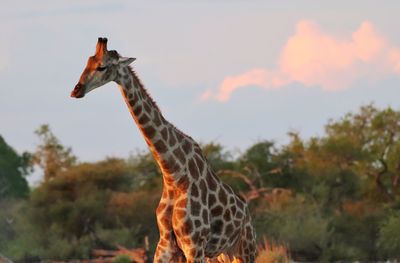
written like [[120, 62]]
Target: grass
[[272, 253]]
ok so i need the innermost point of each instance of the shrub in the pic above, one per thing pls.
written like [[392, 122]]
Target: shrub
[[122, 259], [353, 237], [389, 237], [302, 227], [270, 253]]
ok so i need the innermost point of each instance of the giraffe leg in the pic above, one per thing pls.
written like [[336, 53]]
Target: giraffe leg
[[237, 260], [167, 251], [194, 252], [195, 255], [248, 249], [162, 255], [223, 258]]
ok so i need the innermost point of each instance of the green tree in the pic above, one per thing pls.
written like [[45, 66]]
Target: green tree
[[389, 236], [13, 169], [265, 164], [93, 205], [216, 155], [369, 143], [50, 154], [75, 201], [147, 174]]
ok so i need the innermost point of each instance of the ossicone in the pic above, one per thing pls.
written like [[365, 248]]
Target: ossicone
[[101, 47]]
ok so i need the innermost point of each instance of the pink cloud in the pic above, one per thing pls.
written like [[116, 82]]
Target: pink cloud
[[254, 77], [206, 95], [318, 59]]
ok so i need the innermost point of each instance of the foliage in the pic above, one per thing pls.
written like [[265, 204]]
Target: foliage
[[334, 197], [354, 237], [147, 173], [51, 155], [302, 227], [389, 236], [216, 156], [83, 208], [271, 253], [13, 169], [368, 142], [122, 259]]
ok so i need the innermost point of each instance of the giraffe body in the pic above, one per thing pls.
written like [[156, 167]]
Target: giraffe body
[[199, 217]]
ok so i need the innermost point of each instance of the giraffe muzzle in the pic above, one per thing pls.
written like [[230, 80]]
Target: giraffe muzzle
[[78, 92]]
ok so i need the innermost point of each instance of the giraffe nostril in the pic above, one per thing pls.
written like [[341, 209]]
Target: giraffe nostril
[[78, 91]]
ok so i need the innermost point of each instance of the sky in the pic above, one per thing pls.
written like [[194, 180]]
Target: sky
[[232, 72]]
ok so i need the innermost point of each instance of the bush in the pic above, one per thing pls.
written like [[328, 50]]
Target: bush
[[389, 237], [302, 227], [354, 237], [122, 259], [270, 253]]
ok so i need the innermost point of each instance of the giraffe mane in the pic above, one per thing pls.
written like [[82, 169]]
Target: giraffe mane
[[115, 53], [141, 85]]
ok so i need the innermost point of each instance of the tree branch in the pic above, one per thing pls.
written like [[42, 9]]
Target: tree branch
[[378, 180]]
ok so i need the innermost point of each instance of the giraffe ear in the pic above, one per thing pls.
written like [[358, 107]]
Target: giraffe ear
[[125, 61]]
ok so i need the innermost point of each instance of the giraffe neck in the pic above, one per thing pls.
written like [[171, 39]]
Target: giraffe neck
[[162, 137]]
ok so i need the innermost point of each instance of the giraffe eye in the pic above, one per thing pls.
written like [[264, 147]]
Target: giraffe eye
[[101, 68]]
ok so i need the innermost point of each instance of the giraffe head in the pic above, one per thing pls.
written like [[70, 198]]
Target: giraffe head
[[100, 69]]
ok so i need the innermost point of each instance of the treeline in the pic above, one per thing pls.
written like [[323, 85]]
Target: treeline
[[328, 198]]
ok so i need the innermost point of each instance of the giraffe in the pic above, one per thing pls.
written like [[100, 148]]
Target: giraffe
[[200, 218]]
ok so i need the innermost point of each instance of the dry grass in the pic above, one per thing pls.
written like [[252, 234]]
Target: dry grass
[[271, 253]]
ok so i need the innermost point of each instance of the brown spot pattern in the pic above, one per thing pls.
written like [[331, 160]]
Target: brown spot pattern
[[199, 163], [217, 226], [180, 213], [192, 169], [144, 119], [195, 207], [222, 196], [179, 136], [194, 191], [211, 199], [164, 134], [146, 106], [170, 165], [172, 140], [183, 183], [203, 192], [186, 146], [227, 215], [137, 110], [182, 203], [160, 146], [212, 184], [179, 155], [187, 227], [204, 215], [149, 131], [157, 120], [217, 211]]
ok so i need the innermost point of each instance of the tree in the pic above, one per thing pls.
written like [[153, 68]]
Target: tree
[[51, 155], [261, 161], [216, 156], [369, 143], [13, 169]]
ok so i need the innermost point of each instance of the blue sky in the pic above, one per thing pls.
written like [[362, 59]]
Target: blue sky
[[186, 52]]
